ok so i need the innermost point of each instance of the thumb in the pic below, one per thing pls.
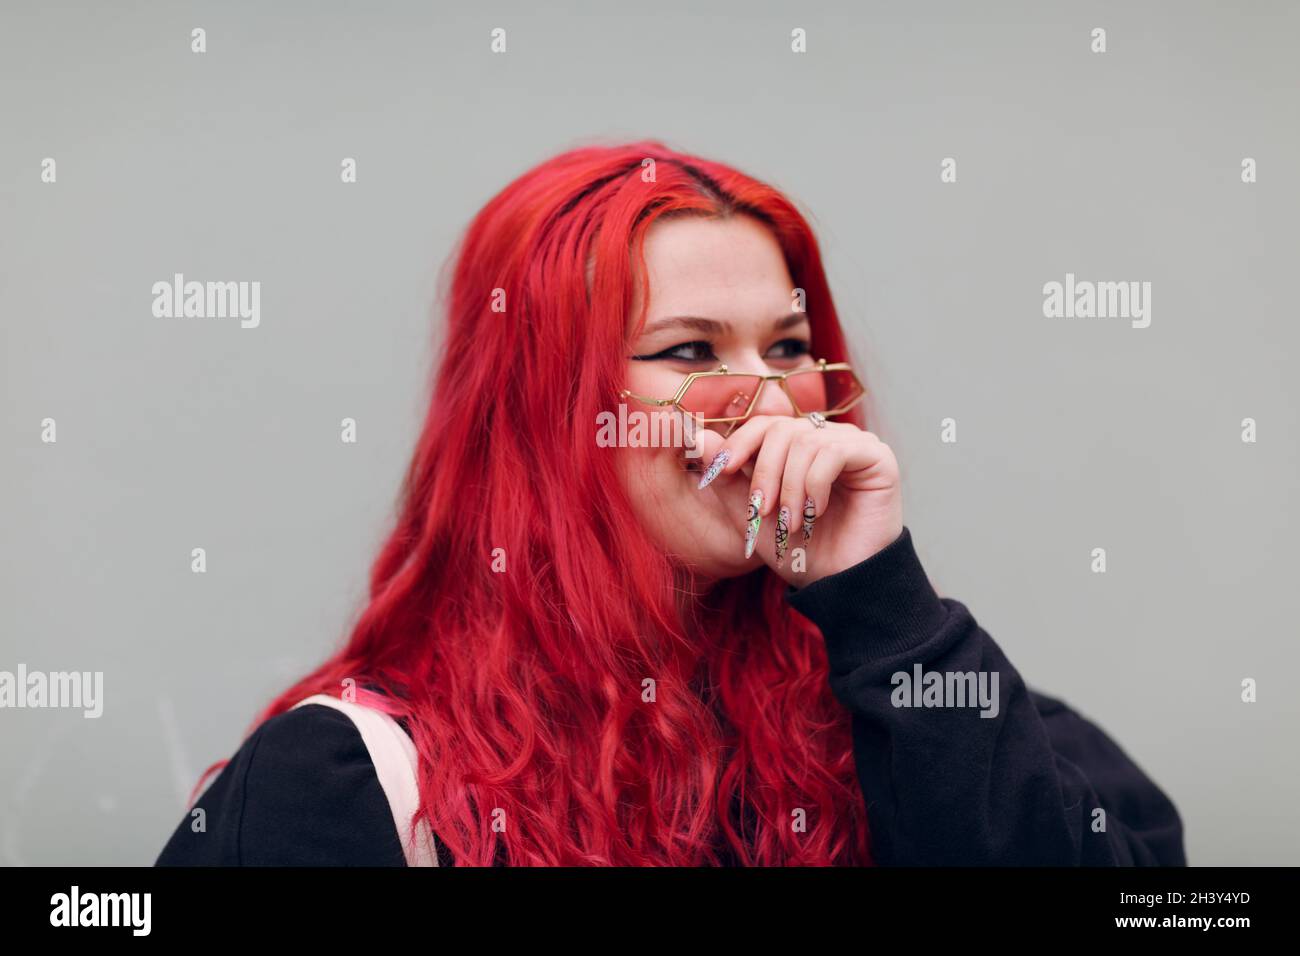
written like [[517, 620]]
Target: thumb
[[702, 446]]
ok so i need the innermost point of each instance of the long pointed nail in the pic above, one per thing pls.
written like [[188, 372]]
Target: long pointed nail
[[754, 519], [809, 516], [715, 467], [782, 533]]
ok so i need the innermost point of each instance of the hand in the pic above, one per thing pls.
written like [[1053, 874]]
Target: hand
[[850, 475]]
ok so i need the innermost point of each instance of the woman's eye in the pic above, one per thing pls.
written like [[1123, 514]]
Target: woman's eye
[[701, 351], [686, 352], [793, 348]]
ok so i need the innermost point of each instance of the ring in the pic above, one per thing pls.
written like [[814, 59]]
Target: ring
[[818, 419]]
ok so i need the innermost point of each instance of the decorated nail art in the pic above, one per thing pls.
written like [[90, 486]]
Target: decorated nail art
[[782, 533], [809, 516], [715, 467], [754, 519]]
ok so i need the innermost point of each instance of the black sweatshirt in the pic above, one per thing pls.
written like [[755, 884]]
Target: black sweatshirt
[[961, 781]]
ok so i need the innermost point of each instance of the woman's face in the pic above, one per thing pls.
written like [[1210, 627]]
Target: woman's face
[[720, 292]]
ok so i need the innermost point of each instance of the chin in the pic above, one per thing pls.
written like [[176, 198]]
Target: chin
[[717, 566]]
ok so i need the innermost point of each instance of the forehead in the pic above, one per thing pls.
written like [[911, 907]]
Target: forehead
[[729, 269]]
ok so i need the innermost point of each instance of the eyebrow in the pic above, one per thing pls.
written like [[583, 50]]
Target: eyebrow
[[716, 326]]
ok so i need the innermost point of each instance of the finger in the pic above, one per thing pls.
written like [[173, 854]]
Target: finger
[[868, 462], [823, 471], [739, 447], [765, 483], [701, 444], [769, 464], [799, 458]]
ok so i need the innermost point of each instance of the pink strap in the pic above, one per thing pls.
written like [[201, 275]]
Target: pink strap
[[396, 761]]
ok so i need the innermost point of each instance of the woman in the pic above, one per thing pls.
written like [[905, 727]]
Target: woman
[[615, 656]]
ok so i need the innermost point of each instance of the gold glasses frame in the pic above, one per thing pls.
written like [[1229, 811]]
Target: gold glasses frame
[[781, 378]]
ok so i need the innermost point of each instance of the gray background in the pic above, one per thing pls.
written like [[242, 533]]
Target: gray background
[[1073, 434]]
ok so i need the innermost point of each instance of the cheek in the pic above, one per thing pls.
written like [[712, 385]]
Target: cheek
[[661, 492], [675, 514], [650, 473]]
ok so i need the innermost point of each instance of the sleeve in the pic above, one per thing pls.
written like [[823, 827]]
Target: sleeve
[[300, 791], [955, 761]]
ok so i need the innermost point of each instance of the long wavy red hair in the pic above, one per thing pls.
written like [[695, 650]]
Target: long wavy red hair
[[517, 609]]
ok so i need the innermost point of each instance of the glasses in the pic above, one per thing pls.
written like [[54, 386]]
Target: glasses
[[723, 396]]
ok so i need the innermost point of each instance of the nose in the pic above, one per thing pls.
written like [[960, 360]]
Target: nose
[[772, 399]]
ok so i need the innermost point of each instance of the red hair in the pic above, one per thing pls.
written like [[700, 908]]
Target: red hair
[[523, 687]]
